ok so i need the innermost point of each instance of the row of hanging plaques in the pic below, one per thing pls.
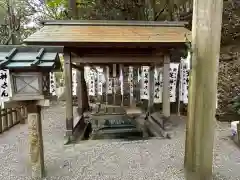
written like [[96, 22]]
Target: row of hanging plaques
[[96, 79]]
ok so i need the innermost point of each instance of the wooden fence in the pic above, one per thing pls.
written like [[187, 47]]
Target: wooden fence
[[10, 117]]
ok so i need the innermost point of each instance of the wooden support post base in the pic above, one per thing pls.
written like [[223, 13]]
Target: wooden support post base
[[80, 111], [35, 140], [197, 175], [68, 138]]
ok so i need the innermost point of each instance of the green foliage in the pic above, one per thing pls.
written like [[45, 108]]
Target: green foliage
[[64, 3], [57, 3], [236, 104], [85, 3]]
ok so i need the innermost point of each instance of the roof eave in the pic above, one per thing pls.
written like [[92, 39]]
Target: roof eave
[[32, 48], [115, 23]]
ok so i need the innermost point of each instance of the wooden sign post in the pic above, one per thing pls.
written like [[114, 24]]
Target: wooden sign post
[[35, 140], [206, 35]]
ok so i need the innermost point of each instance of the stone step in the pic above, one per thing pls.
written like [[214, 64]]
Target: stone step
[[123, 132]]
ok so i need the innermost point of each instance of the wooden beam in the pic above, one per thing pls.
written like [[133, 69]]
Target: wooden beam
[[68, 95], [117, 60], [11, 104], [78, 67], [206, 34], [166, 87], [43, 103]]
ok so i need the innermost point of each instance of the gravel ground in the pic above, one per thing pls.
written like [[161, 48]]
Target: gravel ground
[[154, 159]]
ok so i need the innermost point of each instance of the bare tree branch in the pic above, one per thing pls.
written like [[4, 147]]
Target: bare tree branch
[[160, 12]]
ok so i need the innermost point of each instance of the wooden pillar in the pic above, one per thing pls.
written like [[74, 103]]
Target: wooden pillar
[[166, 87], [151, 89], [206, 34], [68, 96], [35, 140], [79, 91]]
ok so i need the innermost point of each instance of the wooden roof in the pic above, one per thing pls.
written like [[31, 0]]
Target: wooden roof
[[62, 32], [30, 57]]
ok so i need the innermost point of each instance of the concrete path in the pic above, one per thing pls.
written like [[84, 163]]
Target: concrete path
[[154, 159]]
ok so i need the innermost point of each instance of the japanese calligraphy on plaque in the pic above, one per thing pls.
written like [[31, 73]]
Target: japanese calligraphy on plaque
[[173, 74], [158, 88], [74, 82], [110, 86], [130, 80], [181, 81], [100, 81], [52, 83], [91, 84], [145, 83], [185, 83], [121, 80], [87, 74], [5, 90], [184, 79]]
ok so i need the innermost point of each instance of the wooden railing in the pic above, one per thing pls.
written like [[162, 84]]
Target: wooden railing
[[10, 117]]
